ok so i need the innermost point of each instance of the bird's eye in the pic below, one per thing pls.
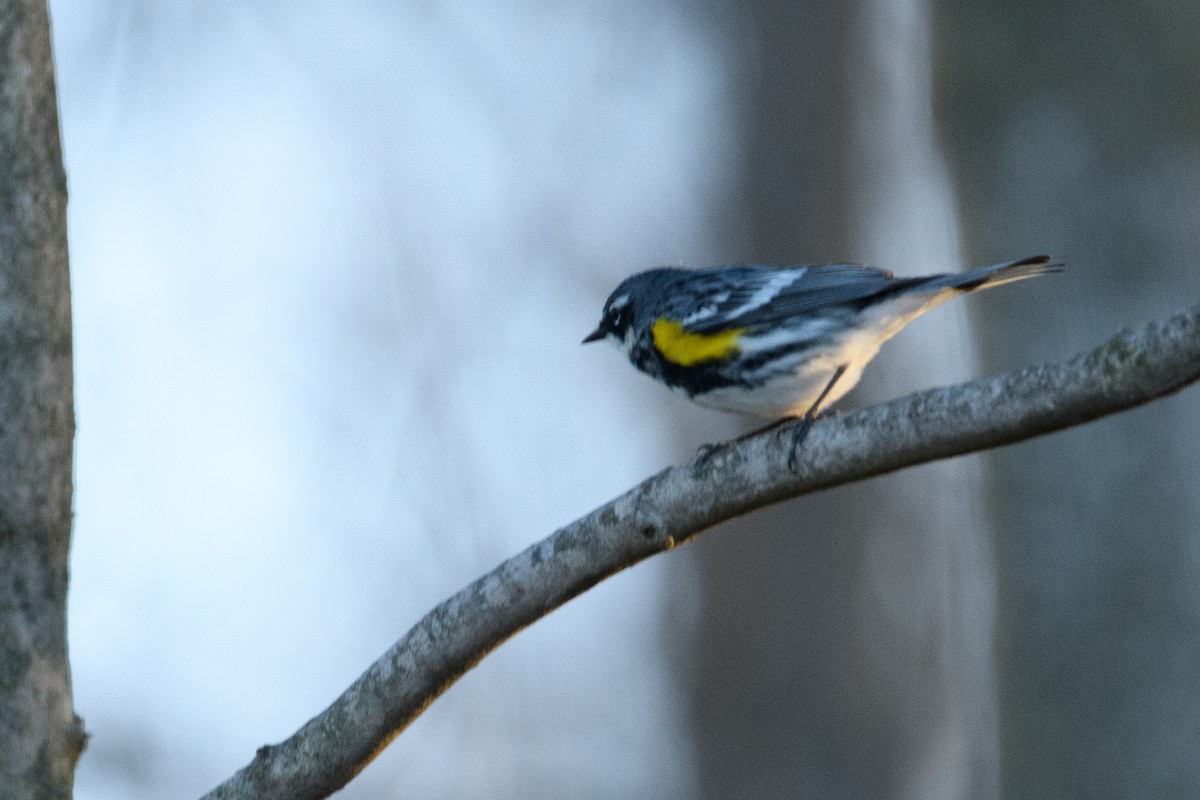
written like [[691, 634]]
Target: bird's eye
[[618, 317]]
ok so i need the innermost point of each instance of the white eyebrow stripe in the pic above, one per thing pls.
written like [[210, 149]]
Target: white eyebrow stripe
[[619, 302], [768, 291]]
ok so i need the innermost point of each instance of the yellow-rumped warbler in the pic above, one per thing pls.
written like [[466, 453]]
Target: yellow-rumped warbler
[[776, 341]]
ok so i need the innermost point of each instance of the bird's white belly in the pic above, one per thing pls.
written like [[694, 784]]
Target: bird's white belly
[[792, 394]]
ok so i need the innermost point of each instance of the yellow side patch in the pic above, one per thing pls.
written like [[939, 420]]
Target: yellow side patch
[[685, 349]]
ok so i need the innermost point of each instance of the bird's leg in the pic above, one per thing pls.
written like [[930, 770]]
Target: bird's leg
[[709, 450], [770, 427], [805, 423]]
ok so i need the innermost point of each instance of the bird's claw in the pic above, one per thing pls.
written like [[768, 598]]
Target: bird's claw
[[799, 434], [707, 451]]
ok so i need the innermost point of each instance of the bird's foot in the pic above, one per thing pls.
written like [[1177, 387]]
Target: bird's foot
[[799, 434]]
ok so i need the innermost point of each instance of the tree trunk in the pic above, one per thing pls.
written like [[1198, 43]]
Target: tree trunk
[[871, 674], [40, 736], [1074, 131]]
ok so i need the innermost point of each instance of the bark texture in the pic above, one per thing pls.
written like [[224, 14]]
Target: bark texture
[[40, 736], [1133, 367]]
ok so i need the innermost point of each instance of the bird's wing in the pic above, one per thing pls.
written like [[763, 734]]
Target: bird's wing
[[768, 294]]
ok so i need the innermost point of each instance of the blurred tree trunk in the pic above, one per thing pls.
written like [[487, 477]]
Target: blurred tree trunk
[[843, 646], [1074, 130], [40, 736]]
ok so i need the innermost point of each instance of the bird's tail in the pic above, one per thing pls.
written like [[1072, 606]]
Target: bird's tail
[[1000, 274], [923, 294]]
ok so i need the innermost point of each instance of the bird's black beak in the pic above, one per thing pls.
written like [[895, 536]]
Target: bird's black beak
[[595, 336]]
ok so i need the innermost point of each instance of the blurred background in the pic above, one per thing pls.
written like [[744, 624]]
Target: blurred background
[[331, 267]]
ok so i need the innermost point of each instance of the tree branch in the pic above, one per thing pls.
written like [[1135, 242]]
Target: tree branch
[[1132, 368]]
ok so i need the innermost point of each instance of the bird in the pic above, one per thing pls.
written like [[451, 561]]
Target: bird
[[782, 342]]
